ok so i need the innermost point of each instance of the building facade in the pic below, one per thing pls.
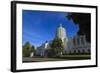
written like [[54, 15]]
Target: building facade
[[77, 44]]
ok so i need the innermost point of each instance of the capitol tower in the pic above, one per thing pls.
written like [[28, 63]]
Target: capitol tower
[[61, 33]]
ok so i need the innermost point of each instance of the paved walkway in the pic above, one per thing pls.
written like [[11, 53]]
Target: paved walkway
[[69, 57], [27, 59]]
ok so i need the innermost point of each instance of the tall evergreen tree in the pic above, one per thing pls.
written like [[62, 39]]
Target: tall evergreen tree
[[56, 47], [26, 49]]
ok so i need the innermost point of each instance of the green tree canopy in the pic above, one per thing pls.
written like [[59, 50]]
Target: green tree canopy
[[57, 46], [32, 48], [27, 45], [26, 49]]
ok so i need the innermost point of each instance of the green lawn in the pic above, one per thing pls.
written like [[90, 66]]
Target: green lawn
[[75, 57]]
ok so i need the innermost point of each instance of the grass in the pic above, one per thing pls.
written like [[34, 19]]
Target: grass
[[75, 57]]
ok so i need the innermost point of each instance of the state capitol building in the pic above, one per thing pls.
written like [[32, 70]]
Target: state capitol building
[[77, 44]]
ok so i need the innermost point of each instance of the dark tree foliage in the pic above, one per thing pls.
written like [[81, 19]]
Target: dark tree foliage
[[84, 21], [56, 46], [32, 48], [27, 49]]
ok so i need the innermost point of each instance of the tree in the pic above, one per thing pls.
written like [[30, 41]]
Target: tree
[[56, 47], [32, 49], [26, 49], [84, 21]]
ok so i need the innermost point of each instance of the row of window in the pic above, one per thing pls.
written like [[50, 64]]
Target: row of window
[[80, 51]]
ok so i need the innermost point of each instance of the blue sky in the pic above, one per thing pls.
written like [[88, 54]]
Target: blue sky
[[40, 26]]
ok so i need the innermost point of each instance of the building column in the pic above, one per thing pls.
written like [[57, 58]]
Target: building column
[[72, 44], [76, 42], [80, 40], [84, 38]]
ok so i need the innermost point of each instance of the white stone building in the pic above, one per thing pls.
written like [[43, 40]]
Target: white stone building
[[41, 50], [77, 44]]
